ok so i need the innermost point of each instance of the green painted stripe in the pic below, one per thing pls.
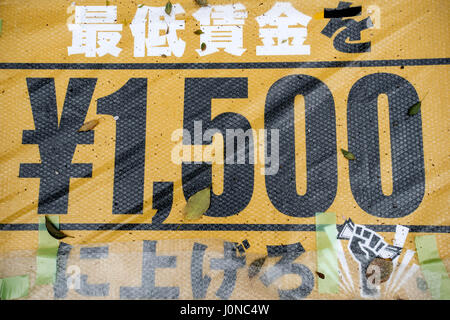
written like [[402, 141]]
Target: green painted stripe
[[326, 244], [433, 268], [46, 253], [14, 287]]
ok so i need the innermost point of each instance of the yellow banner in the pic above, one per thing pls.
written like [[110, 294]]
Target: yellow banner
[[256, 99]]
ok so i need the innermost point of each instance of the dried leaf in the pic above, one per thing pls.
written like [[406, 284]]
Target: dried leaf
[[168, 8], [255, 267], [89, 125], [198, 204], [203, 46], [415, 108], [320, 275], [198, 31], [385, 265], [201, 3], [55, 233], [348, 155]]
